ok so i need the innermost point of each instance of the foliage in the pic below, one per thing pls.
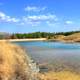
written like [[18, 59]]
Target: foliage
[[67, 33], [47, 35], [32, 35]]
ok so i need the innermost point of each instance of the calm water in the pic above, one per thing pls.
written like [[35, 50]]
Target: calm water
[[60, 55]]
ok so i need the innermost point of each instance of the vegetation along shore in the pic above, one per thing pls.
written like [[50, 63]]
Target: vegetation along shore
[[72, 36]]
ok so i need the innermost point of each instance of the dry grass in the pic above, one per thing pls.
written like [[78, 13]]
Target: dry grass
[[63, 75], [13, 62], [14, 66], [73, 38]]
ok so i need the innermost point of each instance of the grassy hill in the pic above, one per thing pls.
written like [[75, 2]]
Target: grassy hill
[[72, 38], [15, 64]]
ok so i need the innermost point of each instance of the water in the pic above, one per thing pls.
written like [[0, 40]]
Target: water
[[56, 55]]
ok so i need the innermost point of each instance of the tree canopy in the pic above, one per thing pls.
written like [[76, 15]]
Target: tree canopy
[[35, 35]]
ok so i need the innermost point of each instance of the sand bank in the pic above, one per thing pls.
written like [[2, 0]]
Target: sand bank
[[36, 39]]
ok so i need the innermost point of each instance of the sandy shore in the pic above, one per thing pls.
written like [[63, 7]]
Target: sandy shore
[[36, 39]]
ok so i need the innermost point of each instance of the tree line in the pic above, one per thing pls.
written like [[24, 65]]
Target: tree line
[[35, 35], [32, 35], [40, 34]]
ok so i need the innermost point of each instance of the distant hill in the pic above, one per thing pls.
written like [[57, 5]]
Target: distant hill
[[73, 38]]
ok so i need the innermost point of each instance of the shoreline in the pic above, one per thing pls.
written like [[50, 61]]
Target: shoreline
[[35, 39], [32, 69], [39, 39]]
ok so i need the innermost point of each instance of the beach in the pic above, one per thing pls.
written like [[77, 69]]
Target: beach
[[31, 39]]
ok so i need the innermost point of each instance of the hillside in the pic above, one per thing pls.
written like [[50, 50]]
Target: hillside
[[15, 64], [75, 37], [72, 38]]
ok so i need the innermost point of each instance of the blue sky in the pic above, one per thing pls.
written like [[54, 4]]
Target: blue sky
[[25, 16]]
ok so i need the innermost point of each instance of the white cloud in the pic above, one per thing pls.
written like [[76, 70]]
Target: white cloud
[[34, 8], [41, 18], [38, 19], [69, 22], [5, 18], [35, 20], [30, 20]]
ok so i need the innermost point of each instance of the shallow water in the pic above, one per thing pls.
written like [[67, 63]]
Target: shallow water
[[66, 55]]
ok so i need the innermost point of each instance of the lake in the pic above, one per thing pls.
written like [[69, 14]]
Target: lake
[[56, 55]]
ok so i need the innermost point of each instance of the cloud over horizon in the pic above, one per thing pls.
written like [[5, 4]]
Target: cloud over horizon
[[28, 19], [33, 20], [39, 15], [40, 19]]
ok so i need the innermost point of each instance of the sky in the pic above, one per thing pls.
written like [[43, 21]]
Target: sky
[[24, 16]]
